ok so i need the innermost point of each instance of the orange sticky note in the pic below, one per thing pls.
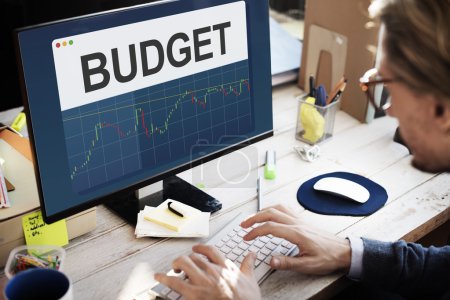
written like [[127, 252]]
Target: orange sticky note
[[37, 232]]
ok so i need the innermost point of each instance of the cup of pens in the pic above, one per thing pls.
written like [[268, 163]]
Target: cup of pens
[[317, 111], [23, 258], [34, 273]]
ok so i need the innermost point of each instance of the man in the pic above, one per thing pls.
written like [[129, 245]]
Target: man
[[415, 70]]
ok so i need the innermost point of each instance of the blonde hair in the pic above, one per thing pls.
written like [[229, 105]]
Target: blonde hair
[[417, 42]]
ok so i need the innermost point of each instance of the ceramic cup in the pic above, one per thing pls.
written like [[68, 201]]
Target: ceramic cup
[[39, 284]]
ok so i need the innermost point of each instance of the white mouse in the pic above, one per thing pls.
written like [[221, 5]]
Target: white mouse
[[343, 188]]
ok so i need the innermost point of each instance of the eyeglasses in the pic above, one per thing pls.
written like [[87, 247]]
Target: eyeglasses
[[373, 85]]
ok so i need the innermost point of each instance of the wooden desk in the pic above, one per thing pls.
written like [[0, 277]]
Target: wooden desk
[[110, 263]]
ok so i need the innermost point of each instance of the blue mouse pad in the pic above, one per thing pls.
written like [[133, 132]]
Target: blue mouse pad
[[327, 204]]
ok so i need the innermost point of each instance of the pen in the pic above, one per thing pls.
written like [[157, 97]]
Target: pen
[[258, 190]]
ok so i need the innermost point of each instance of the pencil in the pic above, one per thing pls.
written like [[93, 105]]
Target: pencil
[[339, 93], [336, 89]]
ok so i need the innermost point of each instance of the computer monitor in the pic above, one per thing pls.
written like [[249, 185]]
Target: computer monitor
[[121, 99]]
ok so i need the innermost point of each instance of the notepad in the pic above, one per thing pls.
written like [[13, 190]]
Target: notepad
[[198, 227], [161, 215]]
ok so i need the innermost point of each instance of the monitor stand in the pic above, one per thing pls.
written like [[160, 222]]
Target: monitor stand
[[128, 206]]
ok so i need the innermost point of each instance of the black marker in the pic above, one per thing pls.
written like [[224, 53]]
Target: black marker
[[312, 88]]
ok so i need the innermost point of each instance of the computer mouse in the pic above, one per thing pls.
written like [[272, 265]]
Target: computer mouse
[[343, 187]]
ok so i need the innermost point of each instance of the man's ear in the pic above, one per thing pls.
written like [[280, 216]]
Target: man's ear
[[442, 114]]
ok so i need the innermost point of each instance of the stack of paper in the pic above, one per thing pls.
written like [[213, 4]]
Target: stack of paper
[[195, 225]]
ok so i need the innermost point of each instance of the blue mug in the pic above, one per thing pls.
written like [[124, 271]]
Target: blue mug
[[39, 284]]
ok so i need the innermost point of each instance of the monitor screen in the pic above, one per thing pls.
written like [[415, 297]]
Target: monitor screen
[[120, 99]]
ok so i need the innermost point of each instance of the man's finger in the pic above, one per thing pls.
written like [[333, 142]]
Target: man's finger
[[191, 270], [286, 263], [286, 232], [211, 252], [205, 265], [248, 264], [269, 215], [176, 284]]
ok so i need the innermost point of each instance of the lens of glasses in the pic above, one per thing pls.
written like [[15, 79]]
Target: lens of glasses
[[377, 91], [380, 96], [385, 99]]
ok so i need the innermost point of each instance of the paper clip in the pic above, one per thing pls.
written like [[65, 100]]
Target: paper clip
[[308, 153]]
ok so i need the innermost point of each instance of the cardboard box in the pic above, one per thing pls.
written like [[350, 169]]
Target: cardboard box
[[348, 19], [19, 170]]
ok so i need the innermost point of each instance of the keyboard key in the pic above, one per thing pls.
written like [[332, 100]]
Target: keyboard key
[[237, 239], [240, 259], [276, 253], [173, 295], [267, 260], [231, 244], [264, 239], [249, 242], [242, 233], [220, 244], [276, 240], [231, 256], [284, 251], [265, 251], [225, 249], [271, 246], [238, 251], [253, 249], [165, 290], [243, 246], [225, 239], [257, 263], [258, 244], [285, 243], [161, 289], [260, 256], [247, 229], [232, 233]]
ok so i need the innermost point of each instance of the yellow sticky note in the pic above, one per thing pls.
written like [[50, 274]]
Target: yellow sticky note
[[37, 232]]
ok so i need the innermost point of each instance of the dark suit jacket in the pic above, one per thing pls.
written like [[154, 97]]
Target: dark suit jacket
[[413, 271]]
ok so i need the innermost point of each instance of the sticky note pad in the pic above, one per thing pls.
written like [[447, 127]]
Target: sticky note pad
[[163, 216], [37, 232]]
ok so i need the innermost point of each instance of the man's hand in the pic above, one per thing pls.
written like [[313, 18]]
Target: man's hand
[[214, 277], [320, 252]]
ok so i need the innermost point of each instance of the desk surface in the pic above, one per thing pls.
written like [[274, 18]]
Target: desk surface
[[110, 263]]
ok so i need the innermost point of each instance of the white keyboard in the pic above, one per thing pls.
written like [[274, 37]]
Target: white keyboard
[[229, 241]]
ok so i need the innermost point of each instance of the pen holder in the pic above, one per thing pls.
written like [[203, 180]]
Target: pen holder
[[315, 123]]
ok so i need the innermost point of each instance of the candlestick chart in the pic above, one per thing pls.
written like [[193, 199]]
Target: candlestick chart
[[152, 129]]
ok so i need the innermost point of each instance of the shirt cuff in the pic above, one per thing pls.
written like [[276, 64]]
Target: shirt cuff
[[357, 246]]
